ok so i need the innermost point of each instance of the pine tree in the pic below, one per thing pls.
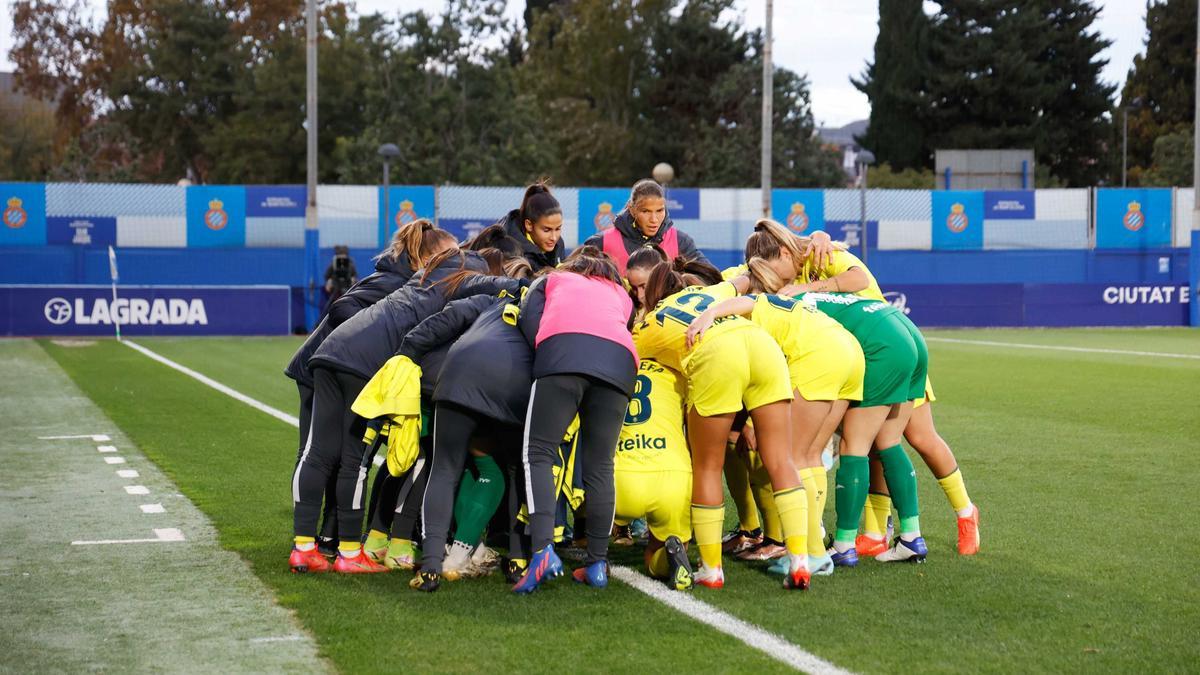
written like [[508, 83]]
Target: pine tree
[[1020, 74], [894, 83], [1071, 139], [1163, 78]]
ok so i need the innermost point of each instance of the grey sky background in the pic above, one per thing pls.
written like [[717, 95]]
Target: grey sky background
[[829, 40]]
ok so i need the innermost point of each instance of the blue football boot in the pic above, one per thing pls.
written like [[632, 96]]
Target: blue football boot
[[544, 565], [905, 551], [594, 575], [847, 558]]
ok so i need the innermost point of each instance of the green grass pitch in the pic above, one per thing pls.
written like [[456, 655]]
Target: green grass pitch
[[1084, 465]]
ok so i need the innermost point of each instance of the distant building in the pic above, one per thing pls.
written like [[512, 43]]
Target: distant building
[[842, 138]]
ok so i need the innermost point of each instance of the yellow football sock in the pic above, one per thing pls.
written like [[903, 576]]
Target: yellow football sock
[[350, 548], [793, 515], [658, 566], [707, 522], [760, 480], [815, 546], [875, 515], [305, 543], [376, 540], [956, 491], [822, 479], [737, 476]]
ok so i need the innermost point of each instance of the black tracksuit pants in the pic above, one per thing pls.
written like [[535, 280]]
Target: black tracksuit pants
[[334, 447], [554, 401], [396, 500], [329, 514], [453, 427]]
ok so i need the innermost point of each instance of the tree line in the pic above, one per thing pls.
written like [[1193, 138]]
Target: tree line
[[587, 92], [982, 74]]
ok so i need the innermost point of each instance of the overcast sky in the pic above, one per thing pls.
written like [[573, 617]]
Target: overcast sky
[[829, 40]]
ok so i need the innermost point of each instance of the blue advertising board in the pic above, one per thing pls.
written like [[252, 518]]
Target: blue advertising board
[[276, 201], [1133, 217], [81, 231], [216, 216], [801, 211], [145, 310], [683, 203], [957, 220], [1009, 205], [1042, 305], [463, 228], [406, 203], [22, 214], [850, 233], [598, 207]]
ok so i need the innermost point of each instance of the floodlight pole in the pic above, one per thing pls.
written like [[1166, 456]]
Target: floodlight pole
[[1124, 144], [388, 151], [312, 254], [865, 159], [768, 94]]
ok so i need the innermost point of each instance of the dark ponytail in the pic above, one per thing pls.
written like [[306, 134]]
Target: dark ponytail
[[646, 257], [494, 236], [663, 282], [538, 203], [696, 271]]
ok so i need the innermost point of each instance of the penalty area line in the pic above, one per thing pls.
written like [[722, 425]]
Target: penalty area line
[[751, 635], [1061, 348]]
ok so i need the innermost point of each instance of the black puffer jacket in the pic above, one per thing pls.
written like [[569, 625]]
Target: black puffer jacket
[[488, 370], [537, 257], [388, 276], [367, 340], [634, 239]]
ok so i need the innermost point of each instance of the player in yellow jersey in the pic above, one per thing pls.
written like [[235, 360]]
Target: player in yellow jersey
[[653, 471], [737, 365], [845, 273], [826, 368]]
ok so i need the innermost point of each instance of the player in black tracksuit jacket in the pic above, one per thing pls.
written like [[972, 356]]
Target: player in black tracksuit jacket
[[483, 389], [390, 274], [537, 227], [341, 366]]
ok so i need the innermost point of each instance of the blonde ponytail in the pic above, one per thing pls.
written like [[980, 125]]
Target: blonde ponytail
[[420, 239], [763, 276]]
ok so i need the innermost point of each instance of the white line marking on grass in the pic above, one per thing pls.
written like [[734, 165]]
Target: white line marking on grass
[[137, 489], [152, 508], [770, 644], [99, 438], [280, 638], [277, 414], [114, 460], [106, 448], [161, 535], [1087, 350], [127, 473]]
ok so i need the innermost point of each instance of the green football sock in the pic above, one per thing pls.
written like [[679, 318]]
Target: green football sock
[[477, 500], [851, 483], [902, 483]]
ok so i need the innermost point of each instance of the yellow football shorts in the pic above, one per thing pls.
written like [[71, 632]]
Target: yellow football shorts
[[742, 367], [663, 498], [830, 372]]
